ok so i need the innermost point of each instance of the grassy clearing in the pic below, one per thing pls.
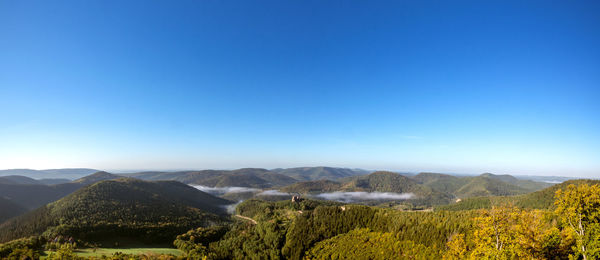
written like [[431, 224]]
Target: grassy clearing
[[85, 252]]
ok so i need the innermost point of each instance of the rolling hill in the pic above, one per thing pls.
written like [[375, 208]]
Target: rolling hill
[[542, 199], [96, 177], [528, 185], [308, 187], [246, 177], [385, 182], [149, 211], [31, 196], [319, 173], [18, 179], [382, 181], [441, 182], [486, 184]]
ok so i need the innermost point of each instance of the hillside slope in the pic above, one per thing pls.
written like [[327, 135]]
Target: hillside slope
[[246, 177], [96, 177], [392, 182], [18, 179], [308, 187], [485, 186], [528, 185], [441, 182], [151, 211], [36, 195], [542, 199], [319, 173], [9, 209]]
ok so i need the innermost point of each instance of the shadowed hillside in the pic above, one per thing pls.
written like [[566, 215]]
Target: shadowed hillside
[[36, 195], [9, 209], [152, 211]]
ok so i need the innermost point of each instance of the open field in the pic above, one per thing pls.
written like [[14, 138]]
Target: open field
[[110, 251]]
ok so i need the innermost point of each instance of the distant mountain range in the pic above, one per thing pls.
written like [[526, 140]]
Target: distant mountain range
[[67, 173], [18, 179]]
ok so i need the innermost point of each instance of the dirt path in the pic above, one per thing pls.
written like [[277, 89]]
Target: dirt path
[[247, 218]]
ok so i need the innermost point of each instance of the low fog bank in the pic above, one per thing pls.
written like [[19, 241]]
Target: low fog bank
[[273, 193], [341, 196], [231, 207], [223, 190], [350, 196]]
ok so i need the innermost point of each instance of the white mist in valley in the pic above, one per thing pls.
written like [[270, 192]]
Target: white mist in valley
[[273, 193], [224, 190], [230, 208], [350, 196], [341, 196]]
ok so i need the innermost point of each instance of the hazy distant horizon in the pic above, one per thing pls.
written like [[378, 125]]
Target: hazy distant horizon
[[126, 171]]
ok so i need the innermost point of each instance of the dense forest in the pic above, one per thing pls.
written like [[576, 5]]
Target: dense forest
[[150, 211]]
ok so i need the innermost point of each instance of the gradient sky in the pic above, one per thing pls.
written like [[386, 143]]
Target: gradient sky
[[447, 86]]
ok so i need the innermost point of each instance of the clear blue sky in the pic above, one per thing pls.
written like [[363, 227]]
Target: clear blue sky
[[450, 86]]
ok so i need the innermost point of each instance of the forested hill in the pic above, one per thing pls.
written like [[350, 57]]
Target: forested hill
[[245, 177], [309, 187], [429, 188], [154, 211], [542, 199], [96, 177], [319, 173], [486, 184], [252, 177], [31, 196], [382, 181]]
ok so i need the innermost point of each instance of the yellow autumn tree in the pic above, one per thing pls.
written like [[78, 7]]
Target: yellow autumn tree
[[531, 230], [457, 247], [493, 234], [504, 232], [579, 208]]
